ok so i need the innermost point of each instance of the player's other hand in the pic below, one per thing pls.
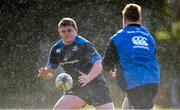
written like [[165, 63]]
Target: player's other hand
[[113, 75], [83, 79], [45, 73]]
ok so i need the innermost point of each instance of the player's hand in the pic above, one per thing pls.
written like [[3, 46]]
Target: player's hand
[[44, 73], [83, 79], [113, 75]]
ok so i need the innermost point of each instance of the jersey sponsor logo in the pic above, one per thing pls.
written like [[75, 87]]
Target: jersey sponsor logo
[[65, 59], [69, 62], [58, 50], [75, 48], [138, 32], [140, 42]]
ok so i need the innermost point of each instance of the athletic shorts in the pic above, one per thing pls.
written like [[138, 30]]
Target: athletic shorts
[[142, 97], [93, 94]]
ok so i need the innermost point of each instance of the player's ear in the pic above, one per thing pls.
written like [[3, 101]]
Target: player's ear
[[76, 29], [140, 21], [59, 31]]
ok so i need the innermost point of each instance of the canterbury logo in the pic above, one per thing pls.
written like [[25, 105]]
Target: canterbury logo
[[140, 41]]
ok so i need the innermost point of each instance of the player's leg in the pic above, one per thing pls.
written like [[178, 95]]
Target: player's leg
[[109, 106], [100, 96], [125, 104], [142, 97], [69, 102]]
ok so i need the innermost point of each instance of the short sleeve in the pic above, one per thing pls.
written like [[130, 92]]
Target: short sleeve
[[91, 53], [52, 59]]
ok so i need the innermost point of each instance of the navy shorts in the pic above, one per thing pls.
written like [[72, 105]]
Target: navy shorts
[[142, 97], [96, 93]]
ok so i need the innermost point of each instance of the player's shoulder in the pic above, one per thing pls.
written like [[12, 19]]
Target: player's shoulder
[[118, 34], [144, 28], [81, 40], [58, 44]]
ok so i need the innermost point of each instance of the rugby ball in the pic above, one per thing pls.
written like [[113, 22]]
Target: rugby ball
[[64, 82]]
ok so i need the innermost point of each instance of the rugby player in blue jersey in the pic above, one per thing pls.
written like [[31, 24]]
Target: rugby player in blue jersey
[[82, 62], [131, 52]]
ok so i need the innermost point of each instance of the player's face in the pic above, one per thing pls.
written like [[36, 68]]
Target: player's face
[[68, 33]]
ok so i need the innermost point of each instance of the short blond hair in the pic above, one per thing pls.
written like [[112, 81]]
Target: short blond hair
[[67, 22], [132, 12]]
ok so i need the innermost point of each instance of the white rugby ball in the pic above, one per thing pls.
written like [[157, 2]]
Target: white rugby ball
[[64, 81]]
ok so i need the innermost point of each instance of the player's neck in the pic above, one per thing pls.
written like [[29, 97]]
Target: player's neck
[[126, 23]]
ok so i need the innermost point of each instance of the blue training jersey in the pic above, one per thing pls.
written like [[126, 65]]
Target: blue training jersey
[[81, 55], [135, 51]]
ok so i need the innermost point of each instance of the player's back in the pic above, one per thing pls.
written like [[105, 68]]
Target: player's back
[[136, 51]]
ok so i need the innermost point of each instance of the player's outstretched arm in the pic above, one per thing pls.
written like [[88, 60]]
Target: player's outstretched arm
[[46, 73]]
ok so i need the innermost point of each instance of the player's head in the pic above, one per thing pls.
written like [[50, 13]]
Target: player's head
[[67, 29], [131, 13], [67, 22]]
